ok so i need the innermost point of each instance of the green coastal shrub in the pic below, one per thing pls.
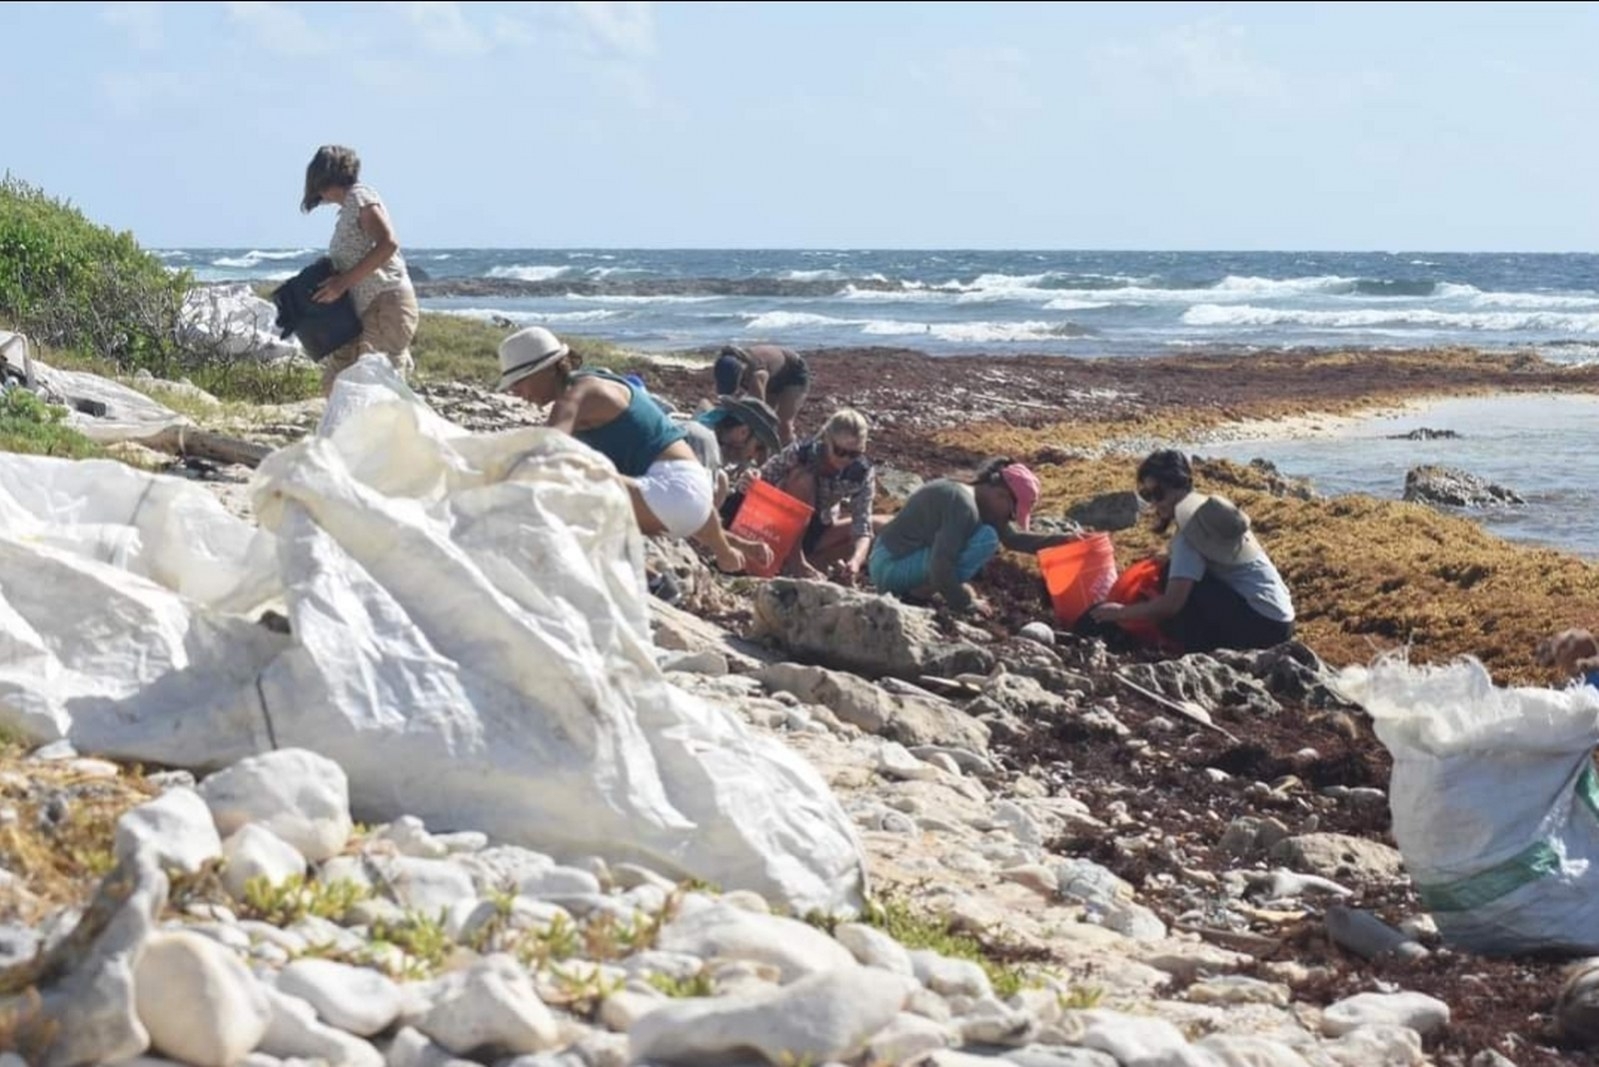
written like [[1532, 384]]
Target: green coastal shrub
[[461, 349], [28, 424], [76, 285]]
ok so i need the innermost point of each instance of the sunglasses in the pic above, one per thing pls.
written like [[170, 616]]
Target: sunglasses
[[1152, 496], [845, 453]]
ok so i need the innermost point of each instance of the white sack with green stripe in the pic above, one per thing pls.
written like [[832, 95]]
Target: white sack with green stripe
[[1495, 803]]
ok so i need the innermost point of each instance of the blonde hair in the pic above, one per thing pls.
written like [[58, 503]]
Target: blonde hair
[[847, 422]]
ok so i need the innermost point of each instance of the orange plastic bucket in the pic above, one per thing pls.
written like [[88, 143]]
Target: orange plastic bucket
[[770, 515], [1079, 575], [1140, 582]]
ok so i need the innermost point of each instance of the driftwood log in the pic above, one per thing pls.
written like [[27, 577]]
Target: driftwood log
[[188, 441]]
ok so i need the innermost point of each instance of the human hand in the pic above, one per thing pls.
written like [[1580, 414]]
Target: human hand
[[747, 479], [331, 290], [982, 608], [847, 572], [1106, 612], [1567, 651]]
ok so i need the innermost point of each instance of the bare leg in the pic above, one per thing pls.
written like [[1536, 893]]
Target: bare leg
[[648, 524], [801, 485], [732, 552], [787, 408], [832, 547]]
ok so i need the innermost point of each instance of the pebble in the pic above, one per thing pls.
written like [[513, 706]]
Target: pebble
[[1416, 1011], [199, 1003], [355, 999], [826, 1016]]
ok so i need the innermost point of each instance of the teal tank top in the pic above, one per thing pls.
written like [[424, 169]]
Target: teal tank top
[[634, 438]]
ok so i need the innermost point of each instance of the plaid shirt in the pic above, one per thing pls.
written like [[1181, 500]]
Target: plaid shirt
[[855, 484]]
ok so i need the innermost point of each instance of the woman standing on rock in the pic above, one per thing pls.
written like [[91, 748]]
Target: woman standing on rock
[[366, 255], [948, 530], [1221, 590]]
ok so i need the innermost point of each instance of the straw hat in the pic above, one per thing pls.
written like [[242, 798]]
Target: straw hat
[[526, 352]]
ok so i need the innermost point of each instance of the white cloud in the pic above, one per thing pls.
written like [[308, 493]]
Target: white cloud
[[991, 82], [1208, 62], [133, 94], [140, 21], [513, 32], [445, 28], [627, 27], [387, 75], [277, 28]]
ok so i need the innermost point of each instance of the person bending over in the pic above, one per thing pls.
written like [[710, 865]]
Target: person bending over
[[948, 530], [1221, 589], [770, 373], [670, 489]]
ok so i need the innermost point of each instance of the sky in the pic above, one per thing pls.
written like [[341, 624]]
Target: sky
[[1345, 126]]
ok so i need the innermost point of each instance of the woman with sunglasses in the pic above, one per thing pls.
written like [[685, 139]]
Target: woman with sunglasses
[[948, 530], [1221, 590], [830, 472]]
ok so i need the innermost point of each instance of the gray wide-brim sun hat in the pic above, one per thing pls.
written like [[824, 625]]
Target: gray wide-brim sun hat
[[1217, 529], [526, 352], [757, 415]]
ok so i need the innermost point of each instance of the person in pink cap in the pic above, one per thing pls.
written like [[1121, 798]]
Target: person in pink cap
[[948, 530]]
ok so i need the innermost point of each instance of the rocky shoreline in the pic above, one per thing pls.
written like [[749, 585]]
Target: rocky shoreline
[[1081, 857]]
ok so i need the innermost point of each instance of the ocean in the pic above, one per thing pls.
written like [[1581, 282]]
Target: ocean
[[1095, 304], [1057, 303]]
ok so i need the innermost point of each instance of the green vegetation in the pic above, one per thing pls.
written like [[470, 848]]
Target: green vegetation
[[698, 984], [93, 300], [73, 284], [456, 348], [422, 938], [257, 383], [295, 898], [28, 424], [938, 933]]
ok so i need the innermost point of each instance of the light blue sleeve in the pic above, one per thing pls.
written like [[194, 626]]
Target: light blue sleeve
[[1186, 562]]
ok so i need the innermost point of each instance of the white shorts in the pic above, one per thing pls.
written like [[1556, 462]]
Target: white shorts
[[678, 492]]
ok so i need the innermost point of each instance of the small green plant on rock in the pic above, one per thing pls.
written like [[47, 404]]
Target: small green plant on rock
[[1081, 998], [295, 898], [559, 940], [698, 984], [581, 988], [915, 930], [420, 937]]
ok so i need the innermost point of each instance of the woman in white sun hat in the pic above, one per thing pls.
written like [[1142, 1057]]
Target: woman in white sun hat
[[1221, 590], [671, 490]]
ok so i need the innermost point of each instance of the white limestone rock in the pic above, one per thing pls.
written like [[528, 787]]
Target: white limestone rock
[[302, 797]]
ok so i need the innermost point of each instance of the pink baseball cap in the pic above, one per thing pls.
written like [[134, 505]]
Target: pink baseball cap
[[1023, 485]]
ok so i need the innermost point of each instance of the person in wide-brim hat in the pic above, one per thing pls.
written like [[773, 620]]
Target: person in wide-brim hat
[[1221, 590], [670, 489], [735, 436]]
